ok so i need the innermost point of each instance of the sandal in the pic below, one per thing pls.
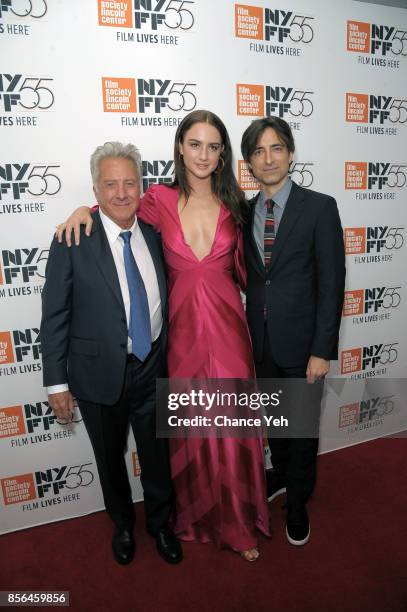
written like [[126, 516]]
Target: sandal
[[252, 554]]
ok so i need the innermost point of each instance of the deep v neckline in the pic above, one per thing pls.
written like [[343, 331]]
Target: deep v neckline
[[214, 236]]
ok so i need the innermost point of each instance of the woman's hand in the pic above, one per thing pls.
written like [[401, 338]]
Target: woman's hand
[[80, 216]]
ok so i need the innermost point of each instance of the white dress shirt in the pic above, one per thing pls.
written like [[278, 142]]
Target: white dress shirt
[[147, 270]]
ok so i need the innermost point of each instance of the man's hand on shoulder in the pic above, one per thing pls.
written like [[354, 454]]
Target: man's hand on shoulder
[[62, 405], [317, 368]]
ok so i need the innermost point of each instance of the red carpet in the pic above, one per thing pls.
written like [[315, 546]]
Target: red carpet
[[356, 560]]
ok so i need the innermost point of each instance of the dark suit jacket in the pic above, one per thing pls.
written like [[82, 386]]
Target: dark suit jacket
[[304, 286], [83, 328]]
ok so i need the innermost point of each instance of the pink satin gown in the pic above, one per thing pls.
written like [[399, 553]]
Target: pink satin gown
[[219, 483]]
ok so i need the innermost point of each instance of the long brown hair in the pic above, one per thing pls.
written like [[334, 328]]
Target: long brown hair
[[223, 180]]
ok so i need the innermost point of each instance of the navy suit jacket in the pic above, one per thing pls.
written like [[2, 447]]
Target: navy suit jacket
[[84, 329], [303, 288]]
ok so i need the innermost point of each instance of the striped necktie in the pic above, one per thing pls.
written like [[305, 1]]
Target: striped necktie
[[139, 323], [269, 233]]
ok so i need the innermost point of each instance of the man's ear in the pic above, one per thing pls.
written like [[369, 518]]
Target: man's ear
[[96, 193]]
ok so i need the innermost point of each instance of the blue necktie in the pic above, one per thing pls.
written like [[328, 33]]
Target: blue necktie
[[139, 324]]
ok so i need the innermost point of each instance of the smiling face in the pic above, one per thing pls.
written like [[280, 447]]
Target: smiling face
[[201, 149], [118, 190], [270, 161]]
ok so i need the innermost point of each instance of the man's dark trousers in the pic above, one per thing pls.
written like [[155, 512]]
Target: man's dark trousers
[[107, 427]]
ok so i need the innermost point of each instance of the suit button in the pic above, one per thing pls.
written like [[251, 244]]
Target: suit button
[[123, 345], [268, 282]]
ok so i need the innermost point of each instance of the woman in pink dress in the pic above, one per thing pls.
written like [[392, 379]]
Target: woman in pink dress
[[219, 482]]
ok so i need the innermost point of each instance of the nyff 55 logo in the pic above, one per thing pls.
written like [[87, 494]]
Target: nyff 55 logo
[[266, 100], [23, 8], [48, 482], [126, 95], [376, 39], [365, 411], [28, 93], [17, 346], [359, 240], [22, 265], [368, 357], [366, 108], [20, 178], [157, 171], [272, 24], [300, 172], [148, 14], [364, 301], [374, 175], [20, 420]]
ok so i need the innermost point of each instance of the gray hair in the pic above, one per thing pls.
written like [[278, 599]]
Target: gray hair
[[114, 149]]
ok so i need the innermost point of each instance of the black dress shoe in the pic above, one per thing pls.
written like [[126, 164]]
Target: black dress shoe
[[123, 546], [297, 527], [168, 546], [275, 484]]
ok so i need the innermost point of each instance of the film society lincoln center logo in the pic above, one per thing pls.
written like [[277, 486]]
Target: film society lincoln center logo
[[152, 15], [371, 304], [142, 96], [375, 175], [47, 487], [26, 419], [381, 41], [280, 28], [265, 100], [366, 411], [19, 347], [369, 358], [377, 111], [373, 243], [18, 423]]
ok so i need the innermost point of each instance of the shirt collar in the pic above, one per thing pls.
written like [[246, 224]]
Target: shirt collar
[[112, 229], [280, 198]]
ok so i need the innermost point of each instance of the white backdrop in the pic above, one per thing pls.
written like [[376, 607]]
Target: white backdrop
[[75, 74]]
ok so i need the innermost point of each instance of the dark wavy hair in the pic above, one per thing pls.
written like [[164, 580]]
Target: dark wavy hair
[[255, 130], [224, 183]]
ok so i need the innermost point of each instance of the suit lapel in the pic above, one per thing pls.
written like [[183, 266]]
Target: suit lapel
[[104, 258], [293, 209], [156, 254], [252, 241]]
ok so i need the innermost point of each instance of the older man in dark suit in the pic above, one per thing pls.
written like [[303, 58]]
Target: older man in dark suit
[[103, 338], [296, 273]]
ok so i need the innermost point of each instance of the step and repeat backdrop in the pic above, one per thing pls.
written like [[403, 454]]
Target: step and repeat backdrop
[[76, 74]]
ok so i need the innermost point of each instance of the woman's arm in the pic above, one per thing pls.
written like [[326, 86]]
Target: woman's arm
[[147, 211]]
